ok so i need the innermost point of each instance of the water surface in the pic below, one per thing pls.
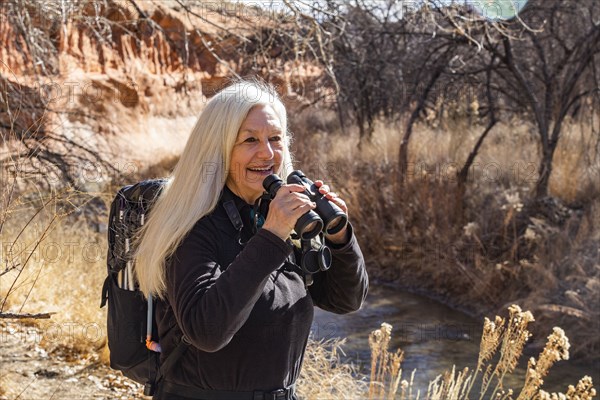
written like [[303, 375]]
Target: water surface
[[433, 337]]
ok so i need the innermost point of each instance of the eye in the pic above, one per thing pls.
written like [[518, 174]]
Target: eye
[[276, 138], [250, 140]]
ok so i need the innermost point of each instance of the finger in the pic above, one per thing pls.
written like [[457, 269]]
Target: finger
[[341, 203], [304, 208], [301, 196], [337, 200], [294, 187], [290, 190], [291, 201], [324, 189]]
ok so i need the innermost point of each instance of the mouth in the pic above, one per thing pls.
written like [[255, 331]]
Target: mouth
[[265, 171]]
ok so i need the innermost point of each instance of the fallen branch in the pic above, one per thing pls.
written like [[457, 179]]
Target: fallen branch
[[23, 316]]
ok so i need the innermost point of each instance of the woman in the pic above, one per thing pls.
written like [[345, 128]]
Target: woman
[[232, 290]]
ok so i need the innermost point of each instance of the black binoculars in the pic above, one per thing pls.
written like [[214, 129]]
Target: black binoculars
[[327, 217]]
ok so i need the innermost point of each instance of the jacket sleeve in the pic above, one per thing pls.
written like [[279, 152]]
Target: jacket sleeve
[[211, 303], [343, 287]]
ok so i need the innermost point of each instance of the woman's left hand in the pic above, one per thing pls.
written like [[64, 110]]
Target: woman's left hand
[[340, 237]]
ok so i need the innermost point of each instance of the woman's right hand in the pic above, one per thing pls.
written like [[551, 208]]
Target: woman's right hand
[[289, 204]]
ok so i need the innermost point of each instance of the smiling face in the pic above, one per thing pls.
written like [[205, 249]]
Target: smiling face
[[257, 153]]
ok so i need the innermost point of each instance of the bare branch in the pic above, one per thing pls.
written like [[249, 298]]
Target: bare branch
[[24, 316]]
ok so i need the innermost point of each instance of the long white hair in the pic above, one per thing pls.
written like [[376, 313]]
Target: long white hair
[[192, 190]]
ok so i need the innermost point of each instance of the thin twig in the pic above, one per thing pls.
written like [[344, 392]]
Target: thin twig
[[32, 286]]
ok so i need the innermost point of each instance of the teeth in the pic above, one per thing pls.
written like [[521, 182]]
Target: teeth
[[260, 169]]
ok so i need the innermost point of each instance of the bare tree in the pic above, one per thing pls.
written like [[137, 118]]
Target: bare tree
[[368, 54], [546, 61], [538, 65]]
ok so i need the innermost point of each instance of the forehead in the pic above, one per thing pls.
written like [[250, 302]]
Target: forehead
[[261, 117]]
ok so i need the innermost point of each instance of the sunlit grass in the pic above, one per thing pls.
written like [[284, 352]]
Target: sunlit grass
[[501, 348], [54, 261]]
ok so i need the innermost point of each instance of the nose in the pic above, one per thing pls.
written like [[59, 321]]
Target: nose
[[265, 151]]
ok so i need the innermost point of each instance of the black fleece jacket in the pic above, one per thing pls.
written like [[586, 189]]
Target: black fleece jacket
[[246, 312]]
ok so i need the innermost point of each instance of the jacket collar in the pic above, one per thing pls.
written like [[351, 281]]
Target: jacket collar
[[227, 195]]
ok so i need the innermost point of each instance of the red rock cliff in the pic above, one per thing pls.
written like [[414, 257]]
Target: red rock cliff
[[138, 72]]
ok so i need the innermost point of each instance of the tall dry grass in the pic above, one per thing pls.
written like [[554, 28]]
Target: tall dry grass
[[53, 259], [501, 348], [324, 376]]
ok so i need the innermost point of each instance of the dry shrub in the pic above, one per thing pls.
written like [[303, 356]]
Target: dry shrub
[[562, 277], [314, 122], [577, 169]]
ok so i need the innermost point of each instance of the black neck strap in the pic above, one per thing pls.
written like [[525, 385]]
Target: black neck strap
[[228, 199], [233, 214], [260, 209]]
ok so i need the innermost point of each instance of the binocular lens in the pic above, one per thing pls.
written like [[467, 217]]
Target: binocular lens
[[336, 224], [310, 229]]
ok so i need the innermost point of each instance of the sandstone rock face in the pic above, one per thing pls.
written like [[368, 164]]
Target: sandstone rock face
[[137, 73]]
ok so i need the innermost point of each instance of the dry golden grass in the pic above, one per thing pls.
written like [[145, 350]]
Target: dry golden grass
[[509, 155], [324, 376], [59, 260], [501, 347]]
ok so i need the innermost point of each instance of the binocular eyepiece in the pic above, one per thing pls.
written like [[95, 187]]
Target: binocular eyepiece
[[327, 216]]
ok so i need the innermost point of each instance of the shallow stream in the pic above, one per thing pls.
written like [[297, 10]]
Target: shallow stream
[[433, 337]]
